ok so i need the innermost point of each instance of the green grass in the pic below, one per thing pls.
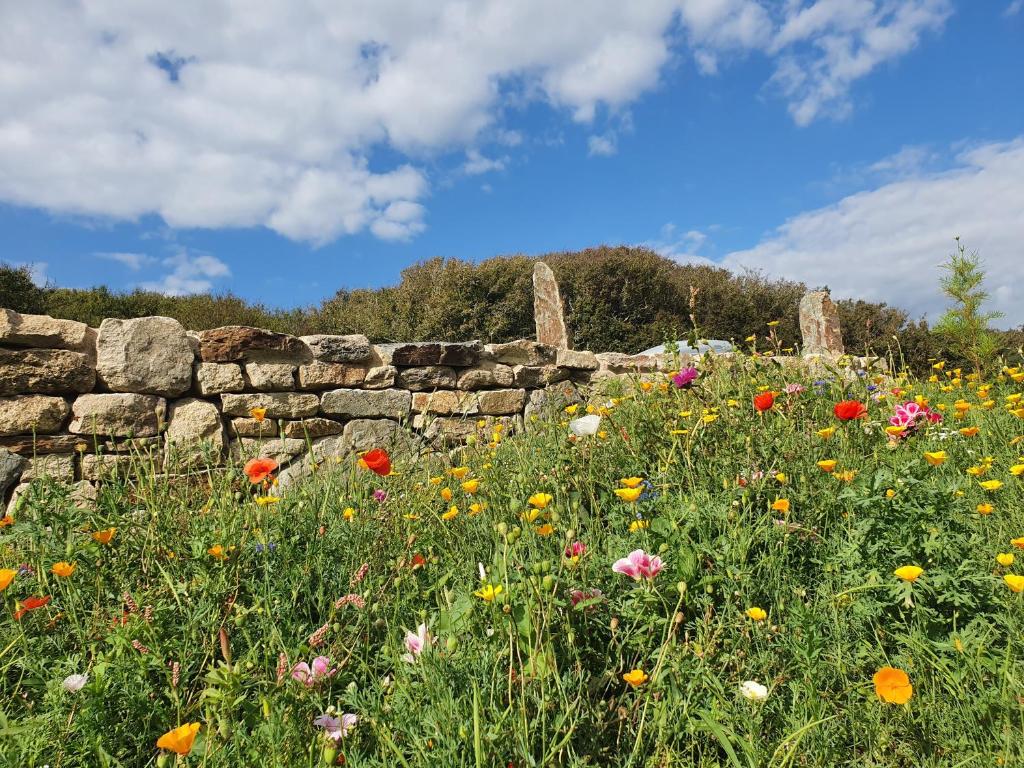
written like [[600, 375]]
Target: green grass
[[530, 680]]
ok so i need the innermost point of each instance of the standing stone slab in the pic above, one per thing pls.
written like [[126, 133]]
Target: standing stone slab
[[339, 349], [28, 414], [279, 405], [41, 331], [147, 355], [45, 372], [819, 325], [357, 404], [118, 415], [548, 310], [218, 378], [241, 343]]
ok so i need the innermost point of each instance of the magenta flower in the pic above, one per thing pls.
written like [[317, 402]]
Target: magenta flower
[[380, 495], [638, 565], [578, 595], [311, 674], [794, 389], [576, 549], [337, 728], [685, 378], [415, 643]]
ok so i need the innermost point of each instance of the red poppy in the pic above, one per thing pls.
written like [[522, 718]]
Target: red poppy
[[418, 561], [764, 401], [30, 604], [378, 461], [258, 470], [849, 410]]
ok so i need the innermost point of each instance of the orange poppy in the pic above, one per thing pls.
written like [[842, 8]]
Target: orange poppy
[[848, 410], [30, 604], [258, 470], [6, 520], [764, 401], [893, 685], [179, 739], [104, 537], [6, 577], [378, 461]]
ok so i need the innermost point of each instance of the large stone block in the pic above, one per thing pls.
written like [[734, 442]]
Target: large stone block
[[497, 402], [487, 375], [270, 377], [28, 414], [279, 405], [45, 372], [57, 466], [427, 378], [146, 355], [577, 360], [531, 376], [11, 467], [241, 343], [118, 415], [242, 427], [192, 422], [280, 450], [444, 402], [318, 375], [819, 325], [42, 331], [523, 352], [367, 434], [548, 310], [218, 378], [458, 354], [32, 445], [339, 349], [360, 404], [617, 362], [380, 377], [312, 428]]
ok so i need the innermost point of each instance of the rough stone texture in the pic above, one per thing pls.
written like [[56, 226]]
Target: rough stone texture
[[11, 467], [356, 404], [241, 343], [444, 402], [58, 466], [502, 401], [317, 375], [537, 376], [427, 378], [26, 414], [29, 445], [339, 349], [582, 361], [278, 449], [279, 405], [443, 432], [552, 398], [83, 495], [487, 375], [42, 331], [218, 378], [270, 377], [331, 450], [458, 354], [819, 325], [548, 310], [312, 428], [193, 422], [380, 377], [133, 445], [117, 415], [99, 467], [523, 352], [146, 355], [617, 362], [45, 372], [367, 434], [253, 428]]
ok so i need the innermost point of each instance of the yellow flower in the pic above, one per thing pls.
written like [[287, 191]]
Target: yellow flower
[[984, 508], [471, 486], [908, 572], [571, 409], [773, 323], [639, 525], [969, 431], [991, 485], [451, 514], [636, 677], [446, 494], [1017, 470], [781, 505], [258, 413], [1014, 582], [540, 500], [826, 433], [349, 514], [976, 471], [458, 472], [545, 530], [631, 482], [847, 475], [1005, 558], [894, 431], [265, 500], [6, 577], [104, 537], [709, 417], [781, 477], [890, 493], [179, 740], [217, 551], [436, 480], [1018, 542], [827, 465], [935, 458], [629, 495], [757, 614], [531, 514], [476, 508], [63, 569], [488, 592]]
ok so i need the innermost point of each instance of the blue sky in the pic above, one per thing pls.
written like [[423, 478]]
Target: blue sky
[[840, 143]]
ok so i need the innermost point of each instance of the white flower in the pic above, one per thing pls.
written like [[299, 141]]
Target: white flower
[[336, 728], [753, 691], [585, 425], [74, 683]]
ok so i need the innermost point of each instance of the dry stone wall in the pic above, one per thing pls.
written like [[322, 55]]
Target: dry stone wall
[[78, 403]]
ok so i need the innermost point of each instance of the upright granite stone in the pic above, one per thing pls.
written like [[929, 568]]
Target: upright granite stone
[[548, 310], [28, 414], [146, 355], [42, 331], [819, 325], [11, 467], [118, 415], [45, 372], [240, 343]]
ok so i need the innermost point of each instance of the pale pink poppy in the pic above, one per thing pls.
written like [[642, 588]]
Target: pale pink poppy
[[638, 565], [415, 643], [311, 674]]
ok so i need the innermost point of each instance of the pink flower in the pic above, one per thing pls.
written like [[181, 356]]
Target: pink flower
[[685, 378], [578, 595], [337, 728], [415, 642], [638, 565], [311, 674], [380, 495], [794, 389], [576, 549]]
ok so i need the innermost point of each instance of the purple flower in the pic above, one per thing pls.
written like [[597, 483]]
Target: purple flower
[[337, 728], [311, 674], [794, 389], [685, 378], [380, 495]]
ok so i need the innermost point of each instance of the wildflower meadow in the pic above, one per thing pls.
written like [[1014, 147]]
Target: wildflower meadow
[[742, 563]]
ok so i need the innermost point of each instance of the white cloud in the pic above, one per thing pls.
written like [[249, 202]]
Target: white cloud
[[886, 244], [208, 113], [36, 270], [679, 246], [189, 273], [603, 146], [476, 163], [134, 261], [1014, 8]]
